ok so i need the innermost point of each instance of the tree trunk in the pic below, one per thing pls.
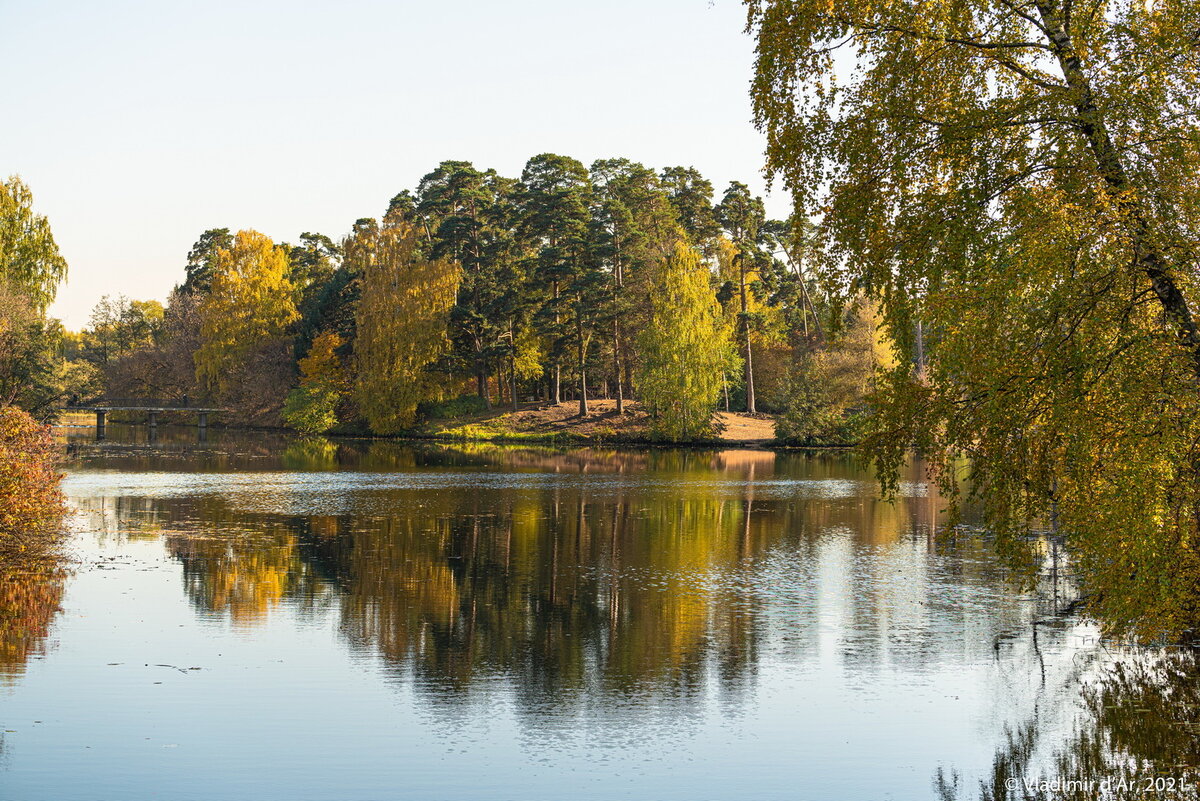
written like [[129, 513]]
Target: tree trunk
[[919, 347], [1149, 257], [583, 404], [746, 333], [617, 366], [512, 371], [556, 380], [481, 385], [619, 277]]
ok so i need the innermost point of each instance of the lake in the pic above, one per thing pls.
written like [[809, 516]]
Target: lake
[[256, 618]]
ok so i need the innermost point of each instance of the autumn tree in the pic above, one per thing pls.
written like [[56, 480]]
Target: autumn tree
[[32, 507], [311, 407], [249, 306], [685, 349], [164, 366], [401, 321], [826, 394], [1018, 176]]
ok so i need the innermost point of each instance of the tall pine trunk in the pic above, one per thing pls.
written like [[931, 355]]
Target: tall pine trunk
[[583, 403], [556, 373], [617, 366], [750, 406]]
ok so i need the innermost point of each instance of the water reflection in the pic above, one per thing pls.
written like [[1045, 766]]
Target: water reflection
[[29, 601], [619, 603], [575, 572], [1135, 734]]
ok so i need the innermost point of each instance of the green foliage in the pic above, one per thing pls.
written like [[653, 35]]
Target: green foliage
[[691, 195], [821, 409], [311, 264], [685, 350], [1016, 182], [33, 374], [553, 216], [202, 260], [826, 397], [118, 326], [30, 263], [462, 406], [311, 409], [470, 214]]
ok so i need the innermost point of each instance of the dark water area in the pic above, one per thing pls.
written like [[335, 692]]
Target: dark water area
[[252, 617]]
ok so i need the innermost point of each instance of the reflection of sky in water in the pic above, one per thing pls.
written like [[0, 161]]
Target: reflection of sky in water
[[347, 493], [443, 632]]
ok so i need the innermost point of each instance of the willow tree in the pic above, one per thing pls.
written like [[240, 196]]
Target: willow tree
[[402, 320], [1019, 176], [685, 349], [249, 306], [30, 264]]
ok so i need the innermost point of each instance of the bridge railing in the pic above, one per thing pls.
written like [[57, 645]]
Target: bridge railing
[[138, 403]]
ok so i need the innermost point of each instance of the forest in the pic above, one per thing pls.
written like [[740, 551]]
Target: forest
[[475, 291]]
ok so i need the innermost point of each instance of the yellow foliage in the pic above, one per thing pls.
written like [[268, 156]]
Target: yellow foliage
[[402, 321], [250, 302], [322, 365]]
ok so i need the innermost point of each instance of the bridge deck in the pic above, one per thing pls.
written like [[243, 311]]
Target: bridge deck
[[104, 407], [140, 405]]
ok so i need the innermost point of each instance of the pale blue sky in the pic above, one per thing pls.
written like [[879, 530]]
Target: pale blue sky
[[140, 124]]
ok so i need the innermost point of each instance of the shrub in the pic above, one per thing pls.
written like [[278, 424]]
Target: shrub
[[825, 402], [461, 406], [311, 409], [32, 508]]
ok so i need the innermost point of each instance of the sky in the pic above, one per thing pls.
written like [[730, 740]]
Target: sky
[[138, 125]]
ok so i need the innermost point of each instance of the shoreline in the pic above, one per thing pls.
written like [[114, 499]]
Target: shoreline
[[547, 425]]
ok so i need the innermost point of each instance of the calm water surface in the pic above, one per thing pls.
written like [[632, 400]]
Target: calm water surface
[[258, 619]]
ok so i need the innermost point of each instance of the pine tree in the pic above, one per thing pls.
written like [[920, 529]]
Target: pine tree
[[553, 215]]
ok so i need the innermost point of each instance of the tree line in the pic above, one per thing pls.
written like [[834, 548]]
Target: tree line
[[475, 290]]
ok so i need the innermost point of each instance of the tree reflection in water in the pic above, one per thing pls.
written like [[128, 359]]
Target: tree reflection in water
[[585, 582], [606, 570], [29, 601], [1136, 735]]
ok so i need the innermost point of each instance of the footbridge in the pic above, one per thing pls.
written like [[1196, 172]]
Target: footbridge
[[152, 407]]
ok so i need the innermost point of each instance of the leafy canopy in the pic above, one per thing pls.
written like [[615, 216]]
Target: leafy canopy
[[250, 302], [1018, 177], [30, 263], [686, 349]]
